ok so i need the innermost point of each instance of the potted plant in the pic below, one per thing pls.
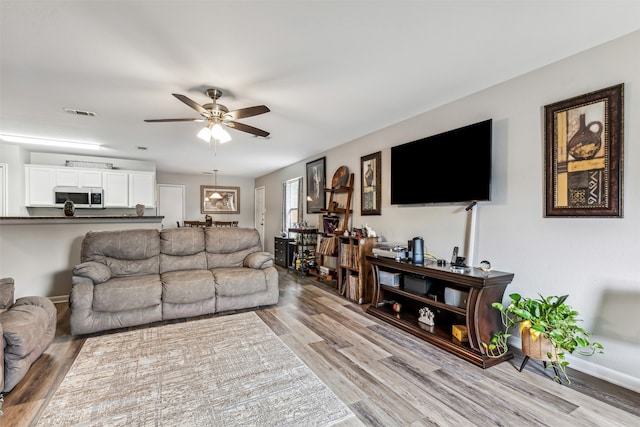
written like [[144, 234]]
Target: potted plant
[[549, 329]]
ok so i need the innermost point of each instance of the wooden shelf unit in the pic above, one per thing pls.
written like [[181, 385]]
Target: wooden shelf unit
[[355, 278], [478, 316], [302, 239], [333, 210]]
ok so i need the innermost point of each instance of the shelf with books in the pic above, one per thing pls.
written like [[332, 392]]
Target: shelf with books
[[354, 271]]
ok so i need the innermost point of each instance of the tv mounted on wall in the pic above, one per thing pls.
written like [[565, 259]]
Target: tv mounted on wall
[[453, 166]]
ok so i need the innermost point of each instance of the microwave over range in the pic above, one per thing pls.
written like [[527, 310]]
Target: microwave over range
[[80, 196]]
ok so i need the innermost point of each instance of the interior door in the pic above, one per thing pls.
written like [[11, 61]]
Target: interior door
[[171, 204], [3, 189], [259, 213]]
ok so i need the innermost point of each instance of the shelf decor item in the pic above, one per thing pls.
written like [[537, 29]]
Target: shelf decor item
[[316, 179], [549, 330], [370, 196], [584, 155]]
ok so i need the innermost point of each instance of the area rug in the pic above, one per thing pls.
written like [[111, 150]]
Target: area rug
[[224, 371]]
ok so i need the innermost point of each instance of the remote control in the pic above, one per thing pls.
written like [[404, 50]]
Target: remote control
[[454, 257]]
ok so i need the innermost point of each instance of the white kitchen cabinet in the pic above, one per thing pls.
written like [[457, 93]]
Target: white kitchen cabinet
[[90, 178], [67, 177], [39, 184], [116, 189], [142, 189]]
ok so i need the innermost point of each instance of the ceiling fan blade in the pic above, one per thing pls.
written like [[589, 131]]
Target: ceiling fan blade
[[246, 112], [173, 120], [199, 108], [247, 128]]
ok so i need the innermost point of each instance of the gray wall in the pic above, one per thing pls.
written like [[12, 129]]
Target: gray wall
[[594, 260]]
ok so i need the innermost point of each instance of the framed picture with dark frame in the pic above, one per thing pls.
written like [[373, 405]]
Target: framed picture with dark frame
[[316, 179], [370, 193], [584, 155], [227, 203]]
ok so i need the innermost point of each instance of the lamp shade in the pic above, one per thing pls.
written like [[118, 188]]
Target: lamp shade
[[218, 133], [205, 134]]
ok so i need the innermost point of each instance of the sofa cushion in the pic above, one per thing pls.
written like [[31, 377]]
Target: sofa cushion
[[127, 293], [229, 246], [125, 252], [182, 241], [183, 287], [95, 271], [238, 281]]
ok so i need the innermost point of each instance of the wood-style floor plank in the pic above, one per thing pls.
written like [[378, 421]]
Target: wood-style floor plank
[[386, 376]]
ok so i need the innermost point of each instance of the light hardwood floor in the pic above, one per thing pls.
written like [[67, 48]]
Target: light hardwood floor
[[387, 377]]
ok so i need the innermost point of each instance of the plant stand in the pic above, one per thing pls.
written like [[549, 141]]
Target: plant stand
[[539, 349]]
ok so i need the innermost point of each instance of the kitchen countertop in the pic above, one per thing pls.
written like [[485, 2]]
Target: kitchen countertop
[[95, 219]]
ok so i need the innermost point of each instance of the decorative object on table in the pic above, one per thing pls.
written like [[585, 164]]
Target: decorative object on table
[[397, 307], [459, 332], [208, 220], [426, 316], [69, 208], [584, 155], [139, 209], [228, 203], [540, 319], [315, 185], [371, 195]]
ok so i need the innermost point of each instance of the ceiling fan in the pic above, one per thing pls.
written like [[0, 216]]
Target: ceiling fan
[[216, 114]]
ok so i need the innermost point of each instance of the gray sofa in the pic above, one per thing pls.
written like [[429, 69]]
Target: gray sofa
[[27, 327], [135, 277]]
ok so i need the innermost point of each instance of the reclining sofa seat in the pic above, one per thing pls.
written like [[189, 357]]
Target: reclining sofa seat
[[134, 277]]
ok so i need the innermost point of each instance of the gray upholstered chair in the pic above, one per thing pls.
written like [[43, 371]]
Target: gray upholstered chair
[[27, 327]]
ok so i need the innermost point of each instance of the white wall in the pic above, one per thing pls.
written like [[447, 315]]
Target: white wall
[[594, 260], [192, 185]]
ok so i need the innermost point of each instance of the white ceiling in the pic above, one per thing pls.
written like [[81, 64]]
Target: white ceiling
[[329, 71]]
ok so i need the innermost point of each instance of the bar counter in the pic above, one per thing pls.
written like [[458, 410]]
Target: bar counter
[[79, 219]]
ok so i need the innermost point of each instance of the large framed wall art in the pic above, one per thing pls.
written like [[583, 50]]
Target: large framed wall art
[[584, 155], [227, 200], [316, 179]]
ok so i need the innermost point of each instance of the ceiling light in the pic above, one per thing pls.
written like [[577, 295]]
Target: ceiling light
[[217, 132], [205, 133], [51, 142], [215, 195]]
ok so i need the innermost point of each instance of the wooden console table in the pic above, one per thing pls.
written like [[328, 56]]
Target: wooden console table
[[480, 319]]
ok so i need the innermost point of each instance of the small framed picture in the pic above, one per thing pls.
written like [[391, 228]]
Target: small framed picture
[[370, 194]]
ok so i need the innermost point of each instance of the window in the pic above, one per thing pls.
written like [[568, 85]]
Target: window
[[292, 206]]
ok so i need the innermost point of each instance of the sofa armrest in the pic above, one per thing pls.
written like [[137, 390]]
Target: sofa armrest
[[258, 260], [98, 273]]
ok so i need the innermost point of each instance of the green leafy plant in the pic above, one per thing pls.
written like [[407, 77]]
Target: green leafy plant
[[549, 317]]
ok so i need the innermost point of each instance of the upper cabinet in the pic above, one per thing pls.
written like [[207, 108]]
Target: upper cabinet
[[142, 189], [39, 184], [122, 189]]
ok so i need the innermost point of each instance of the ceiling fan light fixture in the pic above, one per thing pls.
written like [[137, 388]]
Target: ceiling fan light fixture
[[205, 133], [218, 133]]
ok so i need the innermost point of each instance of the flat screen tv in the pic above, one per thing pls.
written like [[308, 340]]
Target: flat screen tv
[[453, 166]]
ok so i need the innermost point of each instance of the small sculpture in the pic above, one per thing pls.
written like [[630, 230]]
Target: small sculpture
[[426, 316]]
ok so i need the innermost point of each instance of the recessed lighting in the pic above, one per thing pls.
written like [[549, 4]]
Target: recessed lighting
[[50, 142]]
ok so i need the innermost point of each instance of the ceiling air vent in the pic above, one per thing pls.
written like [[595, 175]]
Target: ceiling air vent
[[79, 112]]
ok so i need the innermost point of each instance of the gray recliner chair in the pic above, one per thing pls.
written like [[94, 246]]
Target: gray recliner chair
[[27, 327]]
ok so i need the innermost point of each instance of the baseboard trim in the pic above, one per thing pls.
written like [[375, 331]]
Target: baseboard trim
[[60, 299]]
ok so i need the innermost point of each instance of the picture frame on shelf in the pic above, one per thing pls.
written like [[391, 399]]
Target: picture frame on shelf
[[584, 155], [316, 179], [229, 203], [370, 188]]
